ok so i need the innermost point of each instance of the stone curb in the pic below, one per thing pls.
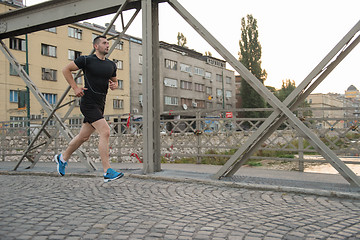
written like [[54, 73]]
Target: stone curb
[[81, 175], [263, 187], [251, 186]]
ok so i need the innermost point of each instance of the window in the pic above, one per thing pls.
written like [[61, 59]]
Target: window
[[14, 94], [228, 106], [75, 33], [199, 87], [78, 80], [119, 63], [209, 105], [48, 50], [118, 103], [13, 71], [209, 90], [75, 121], [208, 75], [140, 78], [218, 78], [50, 97], [219, 92], [18, 44], [185, 68], [199, 71], [228, 80], [171, 101], [186, 85], [72, 54], [120, 84], [228, 94], [169, 82], [170, 64], [53, 29], [187, 101], [119, 46], [219, 106], [141, 99], [48, 74], [18, 121], [140, 59], [200, 103], [35, 117]]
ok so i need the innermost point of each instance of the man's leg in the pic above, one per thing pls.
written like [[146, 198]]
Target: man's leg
[[61, 159], [84, 134], [104, 133]]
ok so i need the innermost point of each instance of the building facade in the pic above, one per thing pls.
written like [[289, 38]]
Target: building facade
[[319, 103], [48, 52], [188, 80], [352, 92]]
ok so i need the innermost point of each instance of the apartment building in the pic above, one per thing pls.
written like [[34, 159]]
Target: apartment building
[[321, 105], [189, 80], [352, 93], [48, 52]]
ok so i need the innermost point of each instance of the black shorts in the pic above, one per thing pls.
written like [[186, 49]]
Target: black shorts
[[92, 112]]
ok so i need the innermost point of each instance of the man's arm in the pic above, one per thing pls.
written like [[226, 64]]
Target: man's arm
[[113, 83], [70, 79]]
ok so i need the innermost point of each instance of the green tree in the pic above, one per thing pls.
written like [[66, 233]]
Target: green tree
[[181, 40], [271, 89], [250, 57], [286, 88]]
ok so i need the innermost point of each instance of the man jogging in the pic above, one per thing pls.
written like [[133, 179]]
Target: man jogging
[[99, 75]]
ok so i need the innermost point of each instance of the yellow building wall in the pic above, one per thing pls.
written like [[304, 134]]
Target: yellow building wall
[[8, 82], [351, 94], [63, 42]]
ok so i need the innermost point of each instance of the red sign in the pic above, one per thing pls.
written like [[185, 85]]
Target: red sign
[[229, 115]]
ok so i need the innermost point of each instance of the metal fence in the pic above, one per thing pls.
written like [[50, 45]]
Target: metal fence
[[201, 136]]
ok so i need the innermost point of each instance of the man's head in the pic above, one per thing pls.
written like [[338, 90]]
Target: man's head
[[101, 44]]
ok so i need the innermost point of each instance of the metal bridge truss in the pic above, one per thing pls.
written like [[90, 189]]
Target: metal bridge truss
[[51, 112], [59, 12], [206, 136]]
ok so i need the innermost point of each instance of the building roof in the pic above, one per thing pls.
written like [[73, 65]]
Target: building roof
[[13, 3], [192, 53], [351, 88], [96, 27]]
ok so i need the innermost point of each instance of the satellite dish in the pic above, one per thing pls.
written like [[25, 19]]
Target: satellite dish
[[185, 106]]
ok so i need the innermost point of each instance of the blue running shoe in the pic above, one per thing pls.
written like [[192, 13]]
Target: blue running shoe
[[111, 174], [60, 165]]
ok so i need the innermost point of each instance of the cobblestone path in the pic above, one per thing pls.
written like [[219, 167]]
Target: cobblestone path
[[37, 207]]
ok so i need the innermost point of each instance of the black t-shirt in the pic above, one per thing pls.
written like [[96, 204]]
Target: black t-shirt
[[97, 73]]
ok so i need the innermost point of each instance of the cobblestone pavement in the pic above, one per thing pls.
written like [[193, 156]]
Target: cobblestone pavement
[[41, 207]]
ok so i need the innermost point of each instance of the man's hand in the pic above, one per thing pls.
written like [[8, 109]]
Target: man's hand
[[113, 85], [79, 91]]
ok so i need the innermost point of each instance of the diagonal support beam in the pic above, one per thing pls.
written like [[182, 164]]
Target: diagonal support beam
[[273, 122], [41, 99], [47, 143], [121, 35], [82, 155], [329, 155]]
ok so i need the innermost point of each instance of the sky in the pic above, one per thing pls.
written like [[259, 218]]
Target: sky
[[294, 35]]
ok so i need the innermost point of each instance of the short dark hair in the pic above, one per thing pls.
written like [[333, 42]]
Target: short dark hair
[[97, 39]]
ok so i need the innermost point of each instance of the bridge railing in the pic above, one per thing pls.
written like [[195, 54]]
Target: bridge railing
[[200, 136]]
